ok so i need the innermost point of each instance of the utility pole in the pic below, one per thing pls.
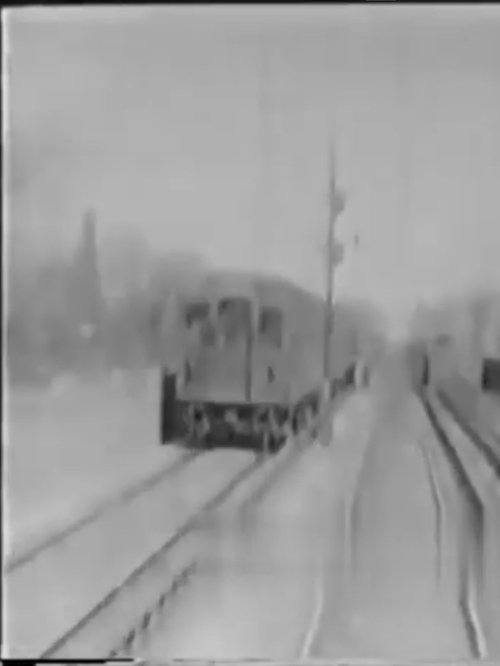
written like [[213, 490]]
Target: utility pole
[[334, 256], [265, 128]]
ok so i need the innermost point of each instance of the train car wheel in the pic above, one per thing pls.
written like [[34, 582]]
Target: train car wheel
[[277, 443], [300, 419], [265, 443], [425, 371], [168, 408], [310, 421], [295, 422]]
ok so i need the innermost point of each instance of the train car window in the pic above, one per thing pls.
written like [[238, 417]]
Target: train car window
[[196, 312], [234, 318], [271, 326]]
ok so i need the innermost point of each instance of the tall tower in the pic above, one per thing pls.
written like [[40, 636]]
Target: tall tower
[[89, 295]]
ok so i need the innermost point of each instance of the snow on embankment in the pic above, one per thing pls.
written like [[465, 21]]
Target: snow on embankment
[[67, 451], [483, 478], [175, 566], [48, 596]]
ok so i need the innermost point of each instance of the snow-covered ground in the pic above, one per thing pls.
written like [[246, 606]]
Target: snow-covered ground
[[313, 569], [256, 595], [487, 488], [70, 447], [404, 543], [353, 554], [46, 597]]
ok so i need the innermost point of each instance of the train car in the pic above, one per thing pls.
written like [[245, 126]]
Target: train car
[[473, 350], [463, 353], [248, 364], [490, 362]]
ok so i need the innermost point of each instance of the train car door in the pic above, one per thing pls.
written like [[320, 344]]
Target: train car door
[[235, 321]]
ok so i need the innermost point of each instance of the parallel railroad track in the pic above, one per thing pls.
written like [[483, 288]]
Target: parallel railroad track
[[131, 492], [129, 642], [468, 593], [111, 628], [490, 450], [105, 616]]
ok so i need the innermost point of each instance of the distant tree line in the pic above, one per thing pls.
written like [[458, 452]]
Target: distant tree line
[[93, 312]]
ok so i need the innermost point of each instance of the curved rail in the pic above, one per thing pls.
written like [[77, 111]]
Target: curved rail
[[123, 496], [468, 593], [143, 568], [489, 451], [142, 624], [114, 613]]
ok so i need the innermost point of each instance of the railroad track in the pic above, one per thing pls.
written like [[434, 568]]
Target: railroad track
[[488, 445], [468, 597], [123, 616], [128, 644], [55, 586], [95, 585], [122, 497]]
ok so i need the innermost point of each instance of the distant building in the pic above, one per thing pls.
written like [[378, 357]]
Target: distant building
[[491, 336]]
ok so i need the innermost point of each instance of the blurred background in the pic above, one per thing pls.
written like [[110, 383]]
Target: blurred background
[[143, 145]]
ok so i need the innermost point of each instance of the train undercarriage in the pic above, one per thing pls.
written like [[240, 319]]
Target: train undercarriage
[[259, 426], [251, 425]]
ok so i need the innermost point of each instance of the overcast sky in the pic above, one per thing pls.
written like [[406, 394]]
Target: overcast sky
[[209, 129]]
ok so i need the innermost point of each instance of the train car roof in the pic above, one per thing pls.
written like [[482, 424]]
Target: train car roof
[[269, 289]]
